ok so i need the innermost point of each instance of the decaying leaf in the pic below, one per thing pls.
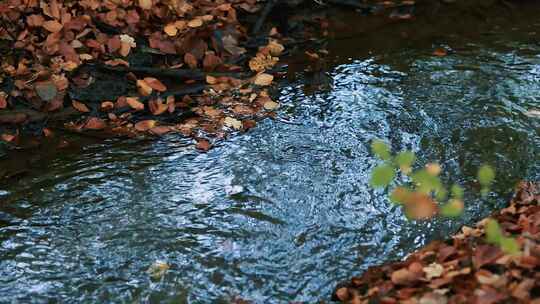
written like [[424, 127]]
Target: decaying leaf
[[233, 123], [263, 79]]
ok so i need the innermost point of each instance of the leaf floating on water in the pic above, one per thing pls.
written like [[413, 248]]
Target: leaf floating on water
[[440, 52], [158, 269], [486, 175]]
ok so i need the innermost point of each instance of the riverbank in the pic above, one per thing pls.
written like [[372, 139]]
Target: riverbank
[[465, 268]]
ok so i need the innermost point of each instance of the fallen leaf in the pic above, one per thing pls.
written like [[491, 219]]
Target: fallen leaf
[[8, 137], [233, 123], [440, 52], [134, 103], [155, 84], [160, 130], [195, 23], [145, 125], [158, 269], [203, 145], [79, 106], [433, 270], [143, 88], [263, 79], [271, 105], [145, 4], [95, 123], [52, 26]]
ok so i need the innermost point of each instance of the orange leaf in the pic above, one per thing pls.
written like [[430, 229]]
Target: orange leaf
[[155, 84], [157, 107], [134, 103], [143, 88], [145, 125], [440, 52], [8, 137], [52, 26], [79, 106], [203, 145]]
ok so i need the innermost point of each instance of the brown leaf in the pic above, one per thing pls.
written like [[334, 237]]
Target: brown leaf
[[440, 52], [156, 107], [52, 26], [160, 130], [155, 84], [203, 145], [95, 123], [143, 88], [486, 254], [404, 277], [145, 125], [134, 103], [79, 106]]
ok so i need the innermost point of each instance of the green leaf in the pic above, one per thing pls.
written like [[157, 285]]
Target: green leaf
[[453, 208], [457, 191], [493, 232], [405, 160], [441, 195], [381, 149], [425, 182], [382, 175], [509, 245], [486, 175]]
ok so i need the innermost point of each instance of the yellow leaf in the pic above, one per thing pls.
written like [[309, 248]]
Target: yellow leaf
[[263, 79]]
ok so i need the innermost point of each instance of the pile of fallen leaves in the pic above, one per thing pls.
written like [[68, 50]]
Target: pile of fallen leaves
[[465, 269], [46, 46]]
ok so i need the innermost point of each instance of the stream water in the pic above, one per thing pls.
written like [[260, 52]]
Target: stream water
[[85, 227]]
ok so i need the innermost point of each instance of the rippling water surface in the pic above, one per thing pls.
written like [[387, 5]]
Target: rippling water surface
[[86, 227]]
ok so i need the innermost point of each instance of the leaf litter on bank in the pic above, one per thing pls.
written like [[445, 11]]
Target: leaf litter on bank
[[469, 268], [60, 37]]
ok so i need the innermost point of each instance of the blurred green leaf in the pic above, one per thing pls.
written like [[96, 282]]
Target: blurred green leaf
[[453, 208], [405, 160], [457, 191], [509, 245], [493, 232], [381, 149], [441, 195], [426, 182], [486, 175], [382, 175]]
